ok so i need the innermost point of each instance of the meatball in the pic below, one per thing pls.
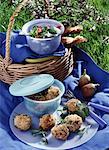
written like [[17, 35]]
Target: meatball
[[49, 96], [60, 131], [73, 122], [54, 90], [22, 122], [72, 105], [47, 121]]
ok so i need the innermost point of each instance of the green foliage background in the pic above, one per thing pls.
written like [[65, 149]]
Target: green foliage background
[[92, 14]]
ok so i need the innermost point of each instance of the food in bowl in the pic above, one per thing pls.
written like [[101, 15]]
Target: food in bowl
[[47, 94], [37, 99], [43, 45], [48, 102], [46, 31], [47, 121], [22, 122]]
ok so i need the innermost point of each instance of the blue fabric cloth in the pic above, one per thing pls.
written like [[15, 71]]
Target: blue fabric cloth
[[8, 102], [19, 47], [97, 74]]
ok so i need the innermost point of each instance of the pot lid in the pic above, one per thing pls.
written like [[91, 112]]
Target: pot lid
[[31, 85]]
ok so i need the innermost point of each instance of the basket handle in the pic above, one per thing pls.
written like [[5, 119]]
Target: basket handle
[[10, 26]]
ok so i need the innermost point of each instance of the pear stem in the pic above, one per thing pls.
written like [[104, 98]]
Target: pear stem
[[84, 73]]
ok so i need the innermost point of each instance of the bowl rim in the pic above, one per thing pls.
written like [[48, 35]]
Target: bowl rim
[[36, 21], [51, 100]]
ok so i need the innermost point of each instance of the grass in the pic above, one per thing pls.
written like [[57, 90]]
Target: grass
[[6, 11], [92, 14], [101, 5]]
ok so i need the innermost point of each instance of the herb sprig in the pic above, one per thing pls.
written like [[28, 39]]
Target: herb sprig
[[43, 32], [83, 111], [82, 131], [42, 133]]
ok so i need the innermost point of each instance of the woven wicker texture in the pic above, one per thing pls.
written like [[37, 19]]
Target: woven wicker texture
[[59, 67]]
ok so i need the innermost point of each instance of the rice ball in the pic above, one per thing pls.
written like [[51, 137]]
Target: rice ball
[[60, 131], [73, 122], [72, 105], [47, 121], [49, 96], [54, 90], [22, 122]]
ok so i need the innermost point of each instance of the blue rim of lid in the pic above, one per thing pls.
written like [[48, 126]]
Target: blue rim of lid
[[31, 85]]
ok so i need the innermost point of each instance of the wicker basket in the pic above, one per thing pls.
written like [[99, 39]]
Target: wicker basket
[[59, 67]]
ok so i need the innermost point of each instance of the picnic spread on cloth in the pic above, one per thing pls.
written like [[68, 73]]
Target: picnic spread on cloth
[[9, 102], [53, 95]]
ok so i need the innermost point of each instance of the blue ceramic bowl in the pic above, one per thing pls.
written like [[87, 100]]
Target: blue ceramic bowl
[[40, 108], [39, 45]]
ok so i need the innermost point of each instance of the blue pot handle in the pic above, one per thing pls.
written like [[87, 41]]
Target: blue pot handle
[[100, 107], [98, 119]]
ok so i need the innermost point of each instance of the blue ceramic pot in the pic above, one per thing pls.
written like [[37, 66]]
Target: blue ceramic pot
[[40, 108], [39, 45]]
